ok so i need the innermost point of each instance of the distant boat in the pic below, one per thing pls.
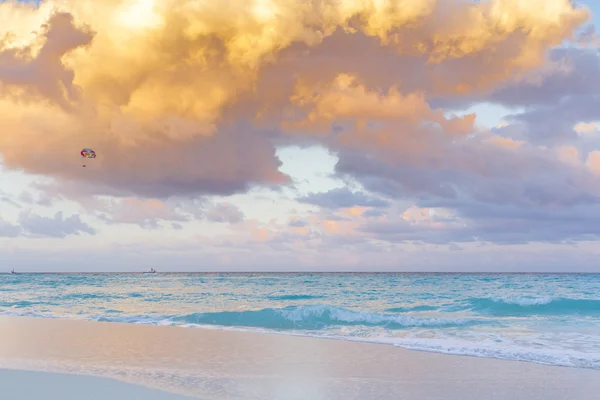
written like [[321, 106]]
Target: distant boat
[[13, 272], [152, 271]]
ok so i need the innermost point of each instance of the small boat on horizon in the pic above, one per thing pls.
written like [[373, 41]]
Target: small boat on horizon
[[152, 271], [13, 271]]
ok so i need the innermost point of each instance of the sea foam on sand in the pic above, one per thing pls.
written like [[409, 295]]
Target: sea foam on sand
[[212, 364]]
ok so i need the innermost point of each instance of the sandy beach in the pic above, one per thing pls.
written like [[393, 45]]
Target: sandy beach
[[28, 385], [213, 364]]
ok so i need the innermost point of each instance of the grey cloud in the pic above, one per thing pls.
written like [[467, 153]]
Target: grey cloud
[[565, 90], [343, 198], [150, 224], [297, 223], [145, 213], [224, 212], [4, 197], [375, 212], [29, 198], [555, 101], [477, 170], [576, 73], [553, 125], [149, 213], [60, 227], [9, 230], [498, 195], [480, 222], [454, 247]]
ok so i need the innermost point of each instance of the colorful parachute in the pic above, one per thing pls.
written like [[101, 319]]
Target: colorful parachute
[[88, 153]]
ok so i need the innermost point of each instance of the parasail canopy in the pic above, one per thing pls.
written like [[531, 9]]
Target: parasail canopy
[[88, 153]]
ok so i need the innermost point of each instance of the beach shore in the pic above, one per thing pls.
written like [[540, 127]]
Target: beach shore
[[214, 364], [28, 385]]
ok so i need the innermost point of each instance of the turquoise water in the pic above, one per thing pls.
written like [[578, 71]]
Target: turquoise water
[[548, 319]]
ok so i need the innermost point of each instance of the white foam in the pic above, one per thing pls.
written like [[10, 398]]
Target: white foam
[[559, 349], [524, 301], [350, 316]]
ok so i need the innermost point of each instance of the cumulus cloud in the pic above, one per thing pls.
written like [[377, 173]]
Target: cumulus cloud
[[297, 223], [191, 98], [59, 226], [150, 213], [179, 117], [30, 198], [344, 198], [8, 199], [568, 72], [224, 212], [143, 212], [9, 230], [482, 223]]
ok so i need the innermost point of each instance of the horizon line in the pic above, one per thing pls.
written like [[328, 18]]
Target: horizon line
[[294, 272]]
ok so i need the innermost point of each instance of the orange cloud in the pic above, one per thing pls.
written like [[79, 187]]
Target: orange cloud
[[593, 162], [167, 92], [339, 228], [506, 143], [354, 211], [386, 122], [586, 127], [568, 155]]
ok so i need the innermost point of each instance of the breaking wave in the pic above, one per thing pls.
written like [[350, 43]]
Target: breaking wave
[[535, 306]]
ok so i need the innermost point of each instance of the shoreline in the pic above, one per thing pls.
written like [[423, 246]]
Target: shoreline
[[223, 364], [512, 357]]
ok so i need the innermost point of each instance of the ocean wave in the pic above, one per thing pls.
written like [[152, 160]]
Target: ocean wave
[[506, 306], [439, 343], [288, 297], [411, 309], [22, 304], [316, 317], [309, 317], [563, 358], [32, 314]]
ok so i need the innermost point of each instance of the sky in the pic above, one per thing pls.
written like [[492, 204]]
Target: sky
[[283, 135]]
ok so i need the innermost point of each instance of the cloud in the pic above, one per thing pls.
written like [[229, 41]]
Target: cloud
[[45, 76], [586, 127], [183, 100], [187, 97], [343, 198], [30, 198], [149, 213], [224, 212], [568, 72], [9, 230], [474, 222], [297, 223], [8, 199], [141, 211], [561, 102], [59, 227]]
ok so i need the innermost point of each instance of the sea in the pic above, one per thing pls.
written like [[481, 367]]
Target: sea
[[551, 319]]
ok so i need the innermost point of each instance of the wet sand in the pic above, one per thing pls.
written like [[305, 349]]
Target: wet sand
[[27, 385], [213, 364]]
